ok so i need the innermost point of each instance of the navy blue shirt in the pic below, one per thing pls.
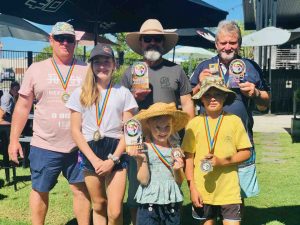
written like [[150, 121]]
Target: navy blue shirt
[[242, 106]]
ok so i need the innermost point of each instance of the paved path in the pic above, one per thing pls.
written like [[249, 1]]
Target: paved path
[[272, 123]]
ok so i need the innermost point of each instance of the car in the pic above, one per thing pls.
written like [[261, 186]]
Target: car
[[7, 74]]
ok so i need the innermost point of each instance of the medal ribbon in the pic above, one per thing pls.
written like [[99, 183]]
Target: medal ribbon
[[100, 112], [63, 82], [211, 142], [161, 156]]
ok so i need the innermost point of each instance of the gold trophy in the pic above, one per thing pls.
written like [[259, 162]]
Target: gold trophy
[[133, 135], [140, 78]]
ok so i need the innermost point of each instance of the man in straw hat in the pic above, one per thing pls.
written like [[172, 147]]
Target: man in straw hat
[[167, 80], [215, 142], [52, 149], [250, 88]]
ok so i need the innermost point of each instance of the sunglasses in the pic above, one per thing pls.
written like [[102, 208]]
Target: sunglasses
[[62, 38], [156, 38]]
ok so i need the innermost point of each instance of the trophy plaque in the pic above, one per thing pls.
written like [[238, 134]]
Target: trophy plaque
[[133, 135], [140, 78], [237, 70], [214, 69]]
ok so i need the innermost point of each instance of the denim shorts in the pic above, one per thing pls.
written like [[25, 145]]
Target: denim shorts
[[152, 214], [102, 149], [46, 165]]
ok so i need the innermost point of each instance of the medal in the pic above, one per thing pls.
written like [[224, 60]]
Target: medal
[[97, 135], [206, 165], [177, 153], [65, 97], [100, 112], [64, 82]]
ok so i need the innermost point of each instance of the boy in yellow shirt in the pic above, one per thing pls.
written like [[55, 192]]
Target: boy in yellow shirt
[[214, 144]]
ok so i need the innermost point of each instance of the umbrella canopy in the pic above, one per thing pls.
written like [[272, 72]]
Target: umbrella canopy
[[266, 37], [113, 16], [11, 26], [191, 37], [193, 52], [87, 39]]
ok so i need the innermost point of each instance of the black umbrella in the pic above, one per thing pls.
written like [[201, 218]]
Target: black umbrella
[[113, 16], [192, 37]]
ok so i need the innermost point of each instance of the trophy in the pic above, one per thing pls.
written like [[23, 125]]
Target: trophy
[[214, 69], [140, 78], [133, 135], [237, 70]]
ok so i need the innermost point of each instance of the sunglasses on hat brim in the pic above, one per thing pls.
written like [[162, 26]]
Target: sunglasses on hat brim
[[61, 38]]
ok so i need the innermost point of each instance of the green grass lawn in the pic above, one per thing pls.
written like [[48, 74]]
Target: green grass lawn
[[278, 203]]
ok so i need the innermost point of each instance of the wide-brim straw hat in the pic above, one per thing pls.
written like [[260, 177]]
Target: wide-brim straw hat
[[180, 118], [216, 82], [151, 27]]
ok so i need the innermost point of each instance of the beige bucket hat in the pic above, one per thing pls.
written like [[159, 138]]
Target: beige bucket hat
[[151, 27], [180, 118], [216, 82]]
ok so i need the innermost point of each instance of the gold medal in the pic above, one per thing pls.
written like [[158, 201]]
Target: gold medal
[[65, 97], [97, 135]]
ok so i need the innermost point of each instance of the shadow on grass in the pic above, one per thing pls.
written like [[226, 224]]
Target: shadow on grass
[[288, 215], [3, 196]]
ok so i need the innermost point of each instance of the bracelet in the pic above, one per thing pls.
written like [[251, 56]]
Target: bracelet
[[115, 159]]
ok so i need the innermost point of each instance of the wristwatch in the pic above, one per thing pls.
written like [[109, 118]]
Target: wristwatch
[[115, 159]]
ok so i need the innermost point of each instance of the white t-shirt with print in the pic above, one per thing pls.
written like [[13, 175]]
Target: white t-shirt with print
[[120, 100]]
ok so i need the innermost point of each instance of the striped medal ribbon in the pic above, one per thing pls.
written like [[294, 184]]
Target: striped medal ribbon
[[64, 82], [161, 156], [100, 111]]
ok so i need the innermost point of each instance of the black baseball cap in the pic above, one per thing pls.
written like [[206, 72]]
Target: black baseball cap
[[102, 50]]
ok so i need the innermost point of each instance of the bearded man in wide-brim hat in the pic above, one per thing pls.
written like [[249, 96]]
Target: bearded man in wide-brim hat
[[167, 80]]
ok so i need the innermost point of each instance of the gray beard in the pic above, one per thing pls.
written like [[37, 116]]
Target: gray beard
[[152, 55]]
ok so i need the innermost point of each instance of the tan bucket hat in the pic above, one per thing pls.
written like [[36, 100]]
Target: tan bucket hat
[[180, 118], [217, 82], [151, 27]]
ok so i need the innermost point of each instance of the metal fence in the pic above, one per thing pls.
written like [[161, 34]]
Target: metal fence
[[13, 65]]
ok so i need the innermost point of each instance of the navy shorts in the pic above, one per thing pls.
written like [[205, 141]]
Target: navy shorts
[[226, 212], [152, 214], [102, 149], [46, 165]]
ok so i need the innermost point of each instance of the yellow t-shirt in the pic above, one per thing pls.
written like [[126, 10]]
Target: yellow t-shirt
[[220, 186]]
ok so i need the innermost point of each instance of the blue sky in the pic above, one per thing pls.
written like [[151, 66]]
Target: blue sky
[[233, 7]]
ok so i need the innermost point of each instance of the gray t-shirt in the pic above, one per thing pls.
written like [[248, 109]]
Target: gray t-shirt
[[167, 81], [7, 105]]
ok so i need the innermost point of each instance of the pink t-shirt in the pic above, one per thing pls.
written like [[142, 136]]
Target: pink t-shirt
[[51, 125]]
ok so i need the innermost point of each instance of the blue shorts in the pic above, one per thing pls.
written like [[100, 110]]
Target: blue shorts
[[152, 214], [102, 149], [46, 165]]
